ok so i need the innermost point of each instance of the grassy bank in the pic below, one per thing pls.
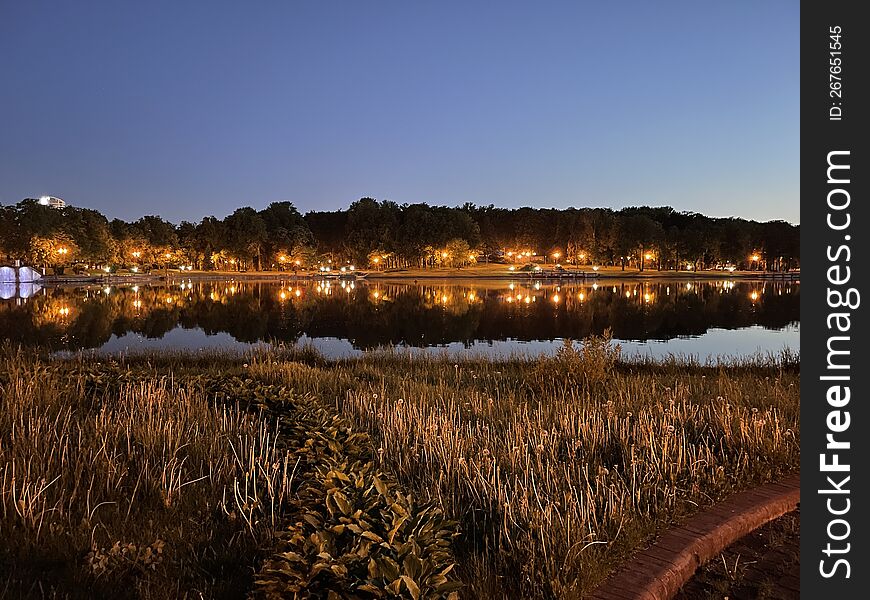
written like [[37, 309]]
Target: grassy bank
[[177, 475]]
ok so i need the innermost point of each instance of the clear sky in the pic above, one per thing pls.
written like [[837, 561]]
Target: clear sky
[[190, 108]]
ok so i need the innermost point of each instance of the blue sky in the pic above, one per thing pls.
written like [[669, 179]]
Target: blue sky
[[186, 109]]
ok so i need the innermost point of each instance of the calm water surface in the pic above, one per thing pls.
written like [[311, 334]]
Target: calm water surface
[[659, 317]]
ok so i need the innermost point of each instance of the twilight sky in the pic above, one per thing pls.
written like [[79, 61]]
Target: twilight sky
[[186, 109]]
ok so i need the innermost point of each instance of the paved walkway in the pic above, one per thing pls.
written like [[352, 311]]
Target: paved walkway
[[658, 572]]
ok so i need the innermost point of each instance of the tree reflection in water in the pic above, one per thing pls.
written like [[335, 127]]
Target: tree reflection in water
[[373, 314]]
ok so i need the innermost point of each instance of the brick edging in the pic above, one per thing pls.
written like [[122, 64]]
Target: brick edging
[[658, 572]]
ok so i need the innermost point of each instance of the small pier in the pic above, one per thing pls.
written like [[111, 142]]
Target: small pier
[[562, 274], [784, 275]]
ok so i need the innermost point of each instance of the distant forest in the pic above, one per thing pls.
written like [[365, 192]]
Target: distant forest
[[386, 235]]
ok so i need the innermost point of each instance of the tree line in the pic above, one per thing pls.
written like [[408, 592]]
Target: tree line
[[385, 235]]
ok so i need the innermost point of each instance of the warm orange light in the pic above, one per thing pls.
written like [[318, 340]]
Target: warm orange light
[[648, 256], [755, 257], [555, 298]]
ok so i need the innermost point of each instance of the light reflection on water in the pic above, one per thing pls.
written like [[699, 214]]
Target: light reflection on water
[[341, 318]]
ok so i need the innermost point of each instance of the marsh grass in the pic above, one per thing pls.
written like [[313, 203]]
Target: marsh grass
[[179, 474], [110, 482], [557, 468]]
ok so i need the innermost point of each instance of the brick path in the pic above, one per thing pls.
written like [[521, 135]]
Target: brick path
[[658, 572]]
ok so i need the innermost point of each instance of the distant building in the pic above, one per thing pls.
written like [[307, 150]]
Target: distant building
[[52, 202]]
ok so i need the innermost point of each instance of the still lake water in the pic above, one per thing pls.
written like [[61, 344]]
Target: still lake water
[[703, 318]]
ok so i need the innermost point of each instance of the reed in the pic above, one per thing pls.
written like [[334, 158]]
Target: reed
[[179, 474], [105, 480]]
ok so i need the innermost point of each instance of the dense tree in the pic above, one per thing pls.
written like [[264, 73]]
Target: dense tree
[[388, 235], [246, 237]]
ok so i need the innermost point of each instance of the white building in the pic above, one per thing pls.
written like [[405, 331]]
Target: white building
[[52, 202]]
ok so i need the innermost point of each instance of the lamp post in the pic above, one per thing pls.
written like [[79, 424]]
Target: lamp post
[[646, 256]]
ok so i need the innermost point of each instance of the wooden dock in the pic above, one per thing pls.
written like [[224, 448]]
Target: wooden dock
[[562, 274]]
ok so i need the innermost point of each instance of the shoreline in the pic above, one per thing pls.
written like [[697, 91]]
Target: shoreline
[[436, 275]]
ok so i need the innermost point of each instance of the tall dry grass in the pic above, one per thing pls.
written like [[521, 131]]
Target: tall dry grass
[[556, 468], [145, 486], [170, 474]]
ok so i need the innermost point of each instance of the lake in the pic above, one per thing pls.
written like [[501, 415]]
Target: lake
[[704, 318]]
